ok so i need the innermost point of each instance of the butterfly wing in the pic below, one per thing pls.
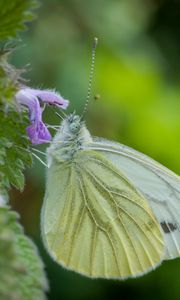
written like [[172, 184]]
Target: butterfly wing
[[95, 222], [158, 184]]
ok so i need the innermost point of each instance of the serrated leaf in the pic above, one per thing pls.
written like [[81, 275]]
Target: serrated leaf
[[21, 269], [14, 152], [14, 144], [17, 180], [13, 16]]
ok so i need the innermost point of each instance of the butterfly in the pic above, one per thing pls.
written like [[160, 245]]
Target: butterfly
[[109, 211]]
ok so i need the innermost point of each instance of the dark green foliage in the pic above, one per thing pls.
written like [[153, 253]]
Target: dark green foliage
[[13, 15], [14, 153], [22, 275], [21, 271]]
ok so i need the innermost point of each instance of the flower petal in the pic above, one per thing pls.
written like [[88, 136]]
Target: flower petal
[[38, 133], [49, 97], [24, 97]]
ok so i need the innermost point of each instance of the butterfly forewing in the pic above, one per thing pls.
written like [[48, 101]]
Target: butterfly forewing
[[160, 187], [96, 222]]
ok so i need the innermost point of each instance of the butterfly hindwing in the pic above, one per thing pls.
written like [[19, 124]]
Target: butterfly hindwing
[[160, 186], [96, 222]]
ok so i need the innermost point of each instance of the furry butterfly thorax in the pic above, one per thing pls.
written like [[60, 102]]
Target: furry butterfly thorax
[[70, 138]]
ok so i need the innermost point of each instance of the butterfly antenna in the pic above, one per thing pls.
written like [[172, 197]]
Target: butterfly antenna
[[95, 42]]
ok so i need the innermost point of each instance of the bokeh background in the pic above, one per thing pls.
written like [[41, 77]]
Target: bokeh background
[[137, 76]]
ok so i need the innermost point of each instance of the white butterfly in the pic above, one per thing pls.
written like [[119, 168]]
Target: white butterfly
[[109, 211]]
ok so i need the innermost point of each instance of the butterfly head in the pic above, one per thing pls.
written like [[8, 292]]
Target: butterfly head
[[72, 128], [73, 123]]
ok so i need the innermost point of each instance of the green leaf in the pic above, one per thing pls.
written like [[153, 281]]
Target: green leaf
[[22, 274], [14, 152], [13, 16]]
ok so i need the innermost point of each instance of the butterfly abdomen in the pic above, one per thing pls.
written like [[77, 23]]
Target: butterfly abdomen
[[71, 137]]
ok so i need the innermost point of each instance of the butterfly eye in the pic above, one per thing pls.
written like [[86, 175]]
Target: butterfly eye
[[74, 127]]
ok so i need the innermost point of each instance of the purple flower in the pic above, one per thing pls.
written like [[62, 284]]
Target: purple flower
[[37, 131]]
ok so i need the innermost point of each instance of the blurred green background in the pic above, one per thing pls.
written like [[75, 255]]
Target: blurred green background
[[137, 75]]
